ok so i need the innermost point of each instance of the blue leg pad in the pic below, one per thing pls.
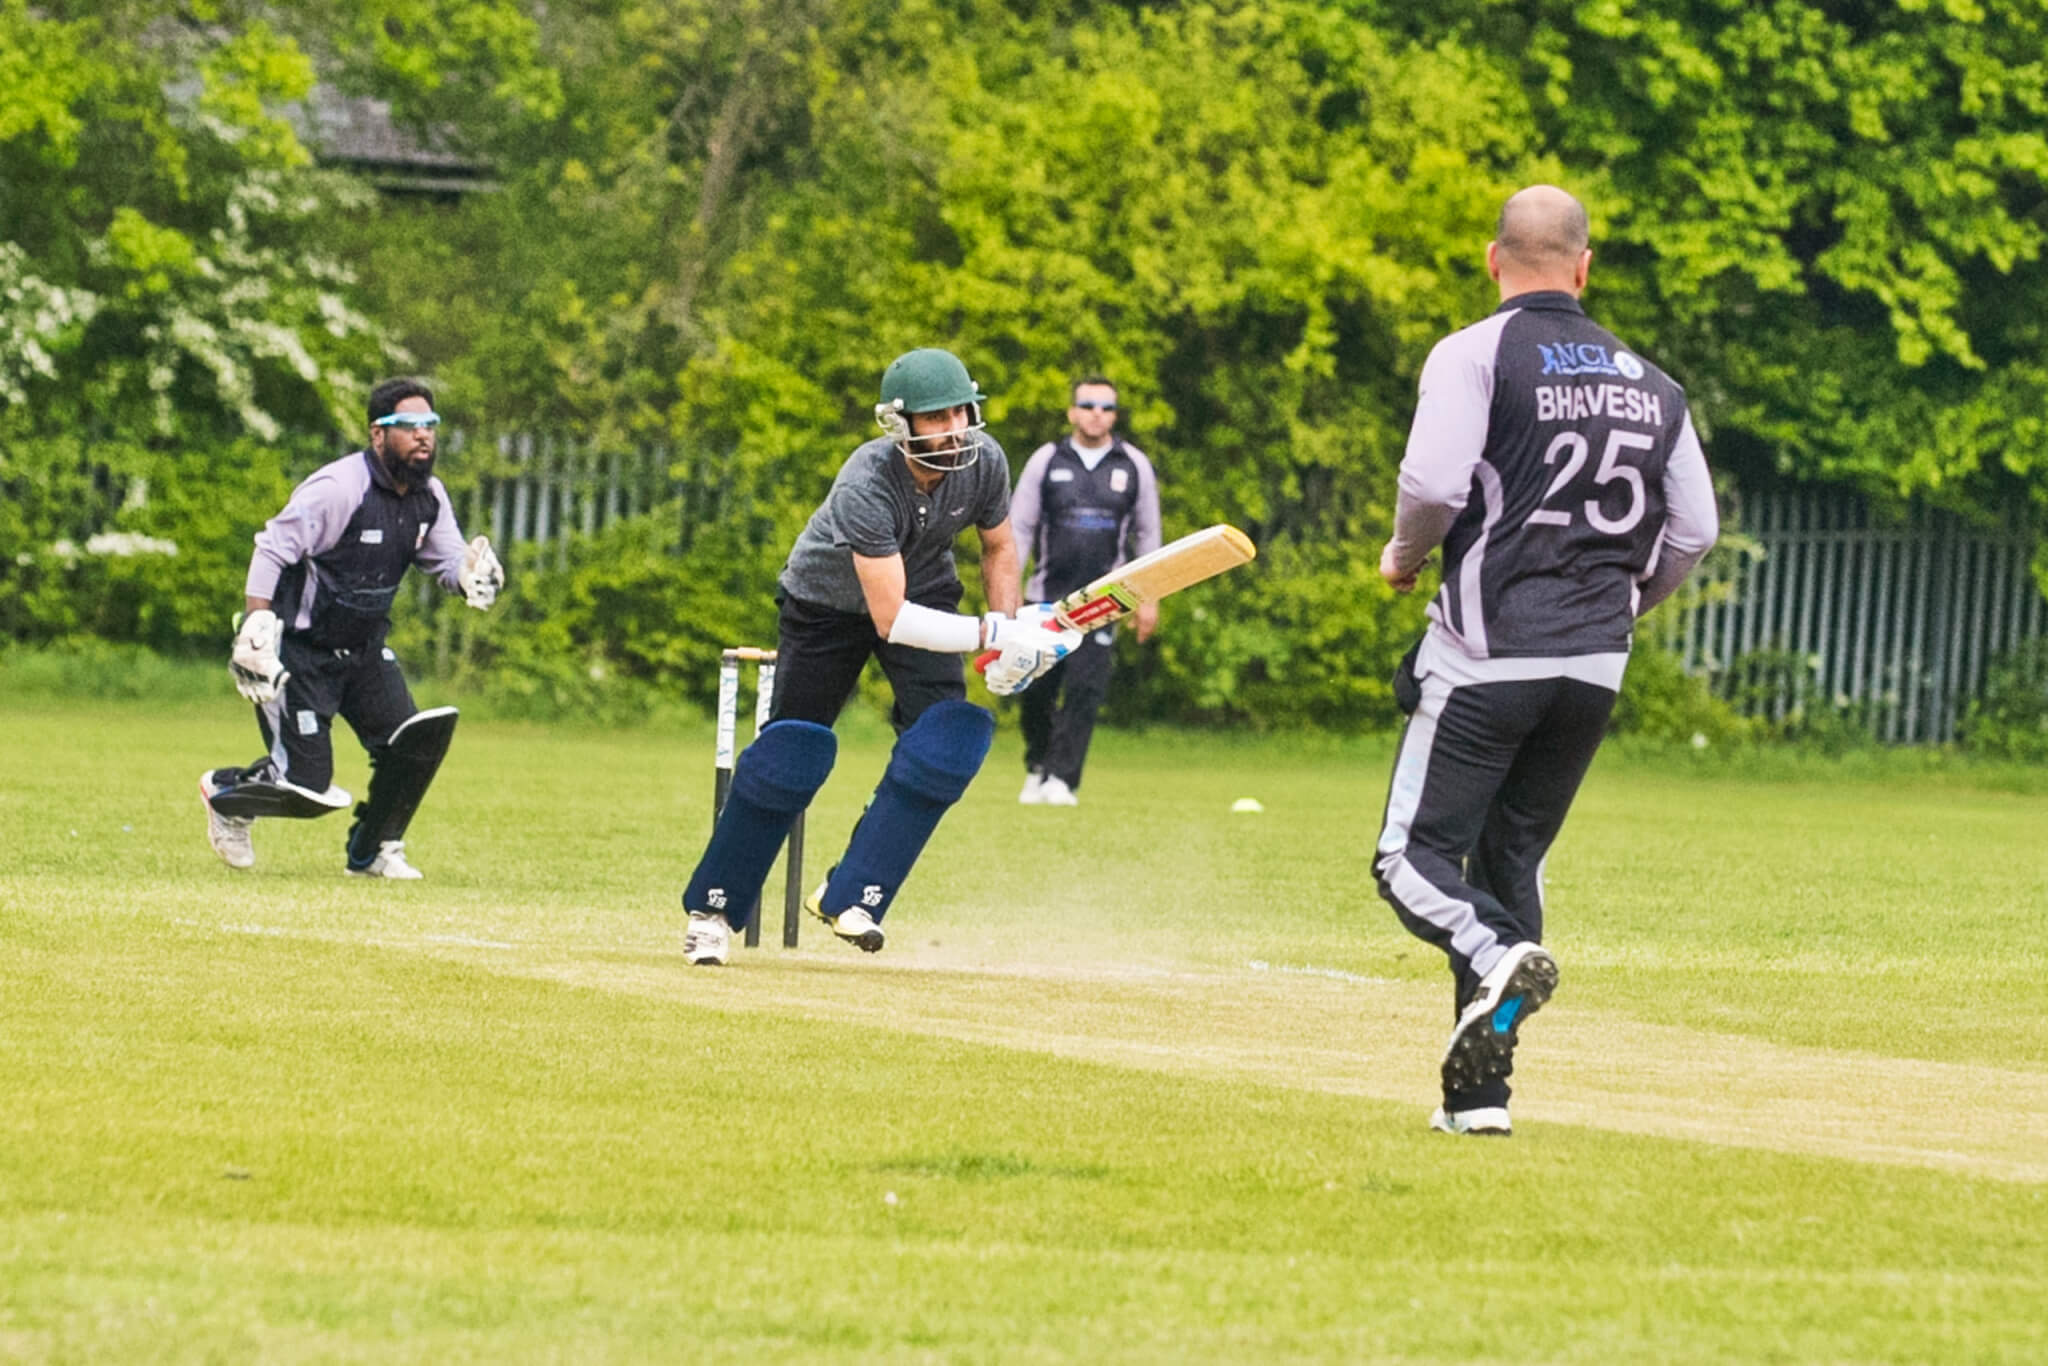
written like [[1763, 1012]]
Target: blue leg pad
[[929, 770], [773, 780]]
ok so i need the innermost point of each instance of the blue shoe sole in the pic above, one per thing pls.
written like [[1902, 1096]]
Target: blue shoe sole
[[1482, 1048]]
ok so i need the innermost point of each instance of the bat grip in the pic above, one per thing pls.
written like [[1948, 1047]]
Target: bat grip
[[984, 659]]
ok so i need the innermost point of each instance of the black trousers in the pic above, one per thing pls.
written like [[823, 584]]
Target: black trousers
[[364, 687], [820, 653], [1482, 783], [1057, 713]]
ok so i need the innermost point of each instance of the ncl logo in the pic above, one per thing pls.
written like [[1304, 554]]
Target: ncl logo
[[1579, 358]]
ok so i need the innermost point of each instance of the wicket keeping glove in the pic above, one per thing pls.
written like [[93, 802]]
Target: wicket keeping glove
[[481, 576], [258, 673], [1026, 646]]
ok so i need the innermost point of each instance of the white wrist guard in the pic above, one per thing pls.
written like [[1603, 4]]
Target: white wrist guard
[[926, 628]]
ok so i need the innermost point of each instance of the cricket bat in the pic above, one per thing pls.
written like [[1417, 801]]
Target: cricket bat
[[1197, 556]]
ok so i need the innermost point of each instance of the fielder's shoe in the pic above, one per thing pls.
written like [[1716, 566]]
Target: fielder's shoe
[[1482, 1047], [1034, 790], [853, 924], [709, 940], [229, 835], [390, 862], [1488, 1122], [1055, 792]]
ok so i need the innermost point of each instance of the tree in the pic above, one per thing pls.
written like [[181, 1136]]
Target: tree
[[1828, 219]]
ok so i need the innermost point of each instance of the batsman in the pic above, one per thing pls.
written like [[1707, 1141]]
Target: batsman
[[872, 575], [310, 645]]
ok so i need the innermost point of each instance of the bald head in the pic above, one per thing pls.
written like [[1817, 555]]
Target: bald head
[[1542, 242]]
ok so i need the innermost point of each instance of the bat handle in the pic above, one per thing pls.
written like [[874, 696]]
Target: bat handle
[[984, 659]]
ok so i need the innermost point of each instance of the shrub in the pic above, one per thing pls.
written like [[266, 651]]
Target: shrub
[[2009, 717], [1304, 636], [1661, 701], [128, 544]]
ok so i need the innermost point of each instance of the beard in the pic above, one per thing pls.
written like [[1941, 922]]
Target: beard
[[415, 470]]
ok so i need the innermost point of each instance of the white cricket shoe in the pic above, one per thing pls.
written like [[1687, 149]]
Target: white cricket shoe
[[390, 862], [1489, 1121], [853, 924], [1055, 792], [1034, 790], [708, 943], [229, 835], [1482, 1046]]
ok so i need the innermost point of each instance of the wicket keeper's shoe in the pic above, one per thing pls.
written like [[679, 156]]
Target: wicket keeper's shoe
[[229, 835], [708, 941], [853, 924], [390, 862], [1488, 1122], [1055, 792], [1482, 1047], [1033, 793]]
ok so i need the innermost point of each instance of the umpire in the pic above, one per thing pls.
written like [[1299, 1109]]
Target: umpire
[[1561, 475], [310, 645]]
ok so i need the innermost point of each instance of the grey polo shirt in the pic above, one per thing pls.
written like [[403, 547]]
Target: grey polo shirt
[[876, 509]]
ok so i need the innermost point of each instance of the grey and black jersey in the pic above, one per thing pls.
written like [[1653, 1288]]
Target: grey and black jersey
[[1075, 523], [1562, 476], [331, 560], [876, 509]]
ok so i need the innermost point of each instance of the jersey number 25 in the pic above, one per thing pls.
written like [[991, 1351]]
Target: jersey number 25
[[1573, 445]]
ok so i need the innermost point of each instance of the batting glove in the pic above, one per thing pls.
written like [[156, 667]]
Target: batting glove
[[1026, 647], [481, 576], [258, 673]]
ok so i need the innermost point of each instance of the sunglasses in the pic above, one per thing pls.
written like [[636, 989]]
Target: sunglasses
[[1090, 405], [409, 421]]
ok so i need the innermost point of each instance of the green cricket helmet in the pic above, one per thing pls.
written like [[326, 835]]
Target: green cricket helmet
[[929, 380]]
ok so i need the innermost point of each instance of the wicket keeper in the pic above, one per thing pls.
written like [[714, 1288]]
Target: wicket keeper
[[310, 645], [1561, 475], [872, 575]]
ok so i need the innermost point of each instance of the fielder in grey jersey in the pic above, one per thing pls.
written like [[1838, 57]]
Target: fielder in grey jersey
[[1085, 504], [1561, 475]]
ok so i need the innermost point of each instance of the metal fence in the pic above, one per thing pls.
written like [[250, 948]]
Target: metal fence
[[545, 490], [1839, 604], [1891, 618]]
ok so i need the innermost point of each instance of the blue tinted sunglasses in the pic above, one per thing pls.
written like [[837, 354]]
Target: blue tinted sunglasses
[[1092, 406], [410, 421]]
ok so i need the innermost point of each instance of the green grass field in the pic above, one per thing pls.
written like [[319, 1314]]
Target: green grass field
[[1141, 1081]]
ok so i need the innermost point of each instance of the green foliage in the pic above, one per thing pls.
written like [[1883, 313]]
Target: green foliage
[[1305, 636], [131, 543], [1829, 219], [1780, 692], [2009, 717], [165, 275], [1660, 701], [719, 220]]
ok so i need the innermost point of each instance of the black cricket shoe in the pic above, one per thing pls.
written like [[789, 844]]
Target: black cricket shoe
[[1482, 1046]]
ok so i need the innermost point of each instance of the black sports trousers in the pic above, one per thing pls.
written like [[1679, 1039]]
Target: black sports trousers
[[362, 686], [1057, 713], [1484, 777], [820, 653]]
